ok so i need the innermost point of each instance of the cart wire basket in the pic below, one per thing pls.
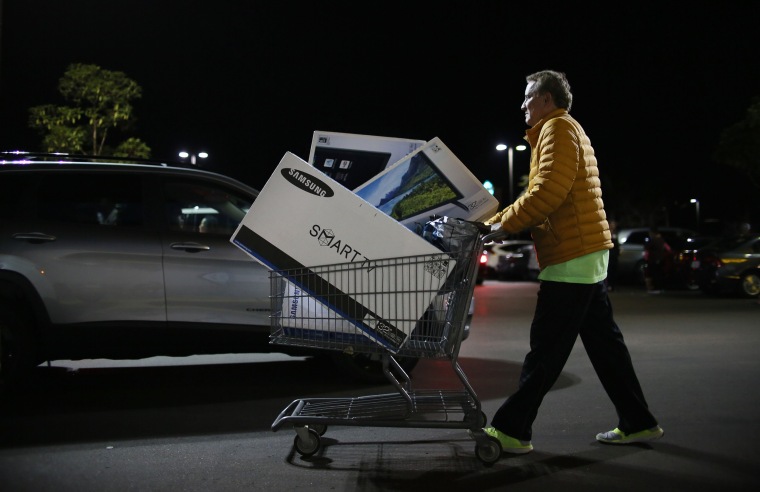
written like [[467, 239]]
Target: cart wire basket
[[411, 306]]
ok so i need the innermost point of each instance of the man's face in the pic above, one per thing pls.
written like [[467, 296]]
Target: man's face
[[535, 106]]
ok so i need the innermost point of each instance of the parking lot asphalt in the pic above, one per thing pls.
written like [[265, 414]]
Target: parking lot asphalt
[[207, 426]]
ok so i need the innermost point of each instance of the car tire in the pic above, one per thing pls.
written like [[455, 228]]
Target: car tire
[[17, 354], [750, 284], [691, 285], [640, 272]]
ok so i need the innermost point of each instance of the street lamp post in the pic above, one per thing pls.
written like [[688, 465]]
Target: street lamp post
[[193, 157], [511, 158], [696, 204]]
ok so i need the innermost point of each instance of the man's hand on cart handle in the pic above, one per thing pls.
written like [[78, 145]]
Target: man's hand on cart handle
[[483, 228]]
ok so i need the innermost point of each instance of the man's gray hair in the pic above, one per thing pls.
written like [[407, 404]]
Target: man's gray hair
[[554, 83]]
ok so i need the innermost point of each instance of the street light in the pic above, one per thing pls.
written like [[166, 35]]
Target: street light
[[696, 203], [193, 157], [510, 157]]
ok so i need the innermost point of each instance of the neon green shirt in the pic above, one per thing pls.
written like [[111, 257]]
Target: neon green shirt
[[586, 269]]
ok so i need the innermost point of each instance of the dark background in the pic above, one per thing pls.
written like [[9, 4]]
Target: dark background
[[654, 83]]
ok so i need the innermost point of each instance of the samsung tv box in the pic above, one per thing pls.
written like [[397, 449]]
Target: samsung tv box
[[352, 159], [302, 220], [429, 181]]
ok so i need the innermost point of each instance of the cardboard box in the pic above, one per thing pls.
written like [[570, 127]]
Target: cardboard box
[[429, 181], [303, 219], [352, 159]]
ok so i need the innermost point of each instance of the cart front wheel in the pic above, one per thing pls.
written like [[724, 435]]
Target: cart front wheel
[[489, 452], [307, 447]]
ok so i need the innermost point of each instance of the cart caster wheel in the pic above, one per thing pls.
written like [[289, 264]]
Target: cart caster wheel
[[319, 428], [490, 452], [307, 447]]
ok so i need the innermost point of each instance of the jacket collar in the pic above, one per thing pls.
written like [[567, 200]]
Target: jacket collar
[[531, 134]]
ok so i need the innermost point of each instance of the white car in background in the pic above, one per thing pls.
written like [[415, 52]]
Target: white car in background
[[513, 259]]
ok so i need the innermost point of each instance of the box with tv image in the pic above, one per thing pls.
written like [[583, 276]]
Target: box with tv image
[[303, 219], [429, 181], [410, 180]]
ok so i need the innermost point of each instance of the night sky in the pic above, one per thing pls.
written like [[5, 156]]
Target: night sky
[[246, 81]]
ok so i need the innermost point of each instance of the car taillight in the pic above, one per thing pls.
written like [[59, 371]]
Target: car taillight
[[711, 259], [484, 258]]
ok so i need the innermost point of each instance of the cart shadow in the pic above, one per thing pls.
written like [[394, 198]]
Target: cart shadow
[[452, 465], [62, 406]]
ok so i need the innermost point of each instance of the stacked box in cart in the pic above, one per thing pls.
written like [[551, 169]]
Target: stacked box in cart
[[303, 219], [431, 180], [352, 159]]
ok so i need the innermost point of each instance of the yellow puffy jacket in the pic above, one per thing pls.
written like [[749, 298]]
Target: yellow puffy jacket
[[562, 204]]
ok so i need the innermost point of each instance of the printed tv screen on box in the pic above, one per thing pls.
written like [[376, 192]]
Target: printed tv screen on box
[[352, 159], [302, 219], [429, 181]]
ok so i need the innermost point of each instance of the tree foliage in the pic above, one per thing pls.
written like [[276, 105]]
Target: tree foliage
[[99, 101], [739, 145]]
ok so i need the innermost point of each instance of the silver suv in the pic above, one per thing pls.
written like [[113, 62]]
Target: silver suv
[[127, 260]]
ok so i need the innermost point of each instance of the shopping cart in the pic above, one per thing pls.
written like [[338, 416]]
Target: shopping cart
[[308, 310]]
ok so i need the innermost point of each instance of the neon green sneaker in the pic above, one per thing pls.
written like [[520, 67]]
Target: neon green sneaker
[[509, 444], [616, 436]]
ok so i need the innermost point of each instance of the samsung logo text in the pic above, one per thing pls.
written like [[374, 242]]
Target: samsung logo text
[[307, 182]]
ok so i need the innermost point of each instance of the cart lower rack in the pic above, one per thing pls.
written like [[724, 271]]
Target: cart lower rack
[[407, 307]]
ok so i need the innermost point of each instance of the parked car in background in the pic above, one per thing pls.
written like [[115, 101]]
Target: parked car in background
[[631, 260], [482, 267], [110, 259], [682, 270], [509, 259], [730, 265]]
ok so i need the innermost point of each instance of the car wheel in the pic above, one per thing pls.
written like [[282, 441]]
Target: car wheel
[[17, 357], [750, 284], [640, 272], [692, 285]]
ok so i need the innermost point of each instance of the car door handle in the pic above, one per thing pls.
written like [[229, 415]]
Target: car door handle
[[190, 247], [34, 237]]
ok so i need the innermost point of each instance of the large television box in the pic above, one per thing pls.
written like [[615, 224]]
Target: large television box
[[353, 159], [429, 181], [302, 219]]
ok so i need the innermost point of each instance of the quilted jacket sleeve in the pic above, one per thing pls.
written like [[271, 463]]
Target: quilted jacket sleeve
[[554, 166]]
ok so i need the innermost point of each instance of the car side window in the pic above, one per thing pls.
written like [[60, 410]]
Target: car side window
[[194, 206], [637, 237], [97, 199], [16, 193]]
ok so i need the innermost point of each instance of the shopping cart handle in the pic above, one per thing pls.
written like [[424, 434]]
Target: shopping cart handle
[[494, 236]]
